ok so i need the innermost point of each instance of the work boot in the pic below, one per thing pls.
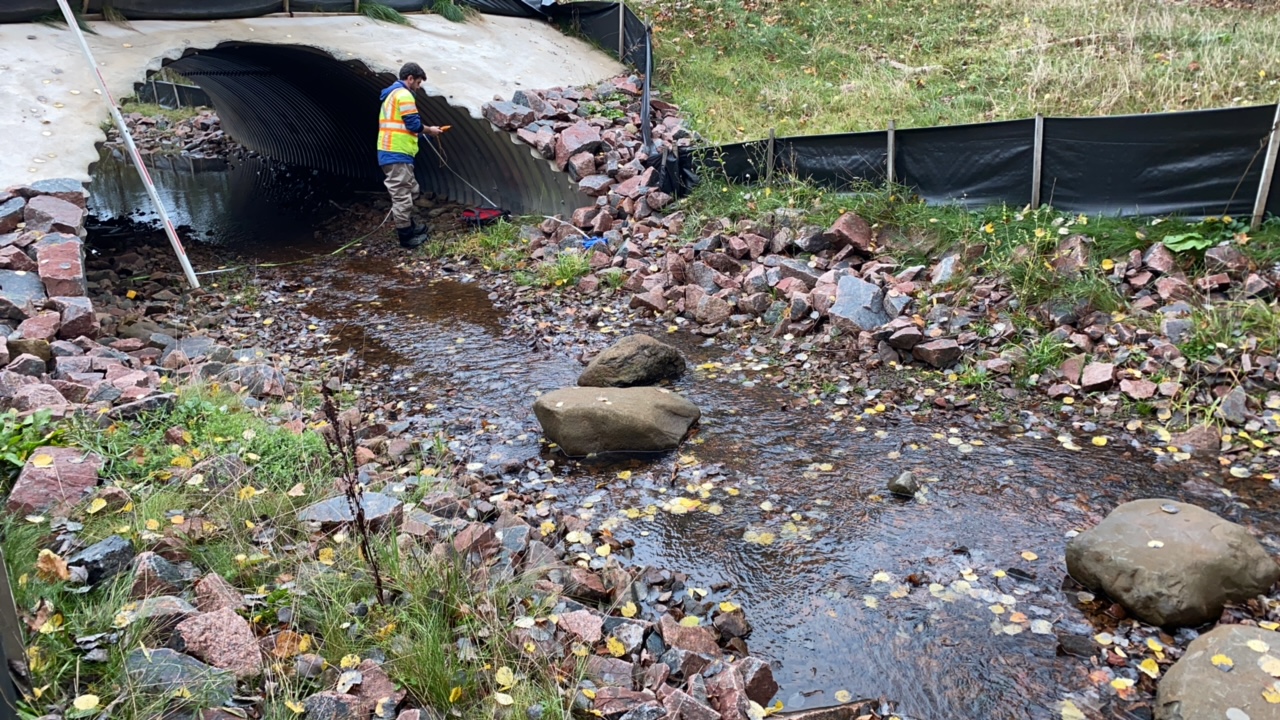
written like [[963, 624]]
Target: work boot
[[412, 236]]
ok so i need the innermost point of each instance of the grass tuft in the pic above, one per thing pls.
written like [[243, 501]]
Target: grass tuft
[[382, 13], [450, 10]]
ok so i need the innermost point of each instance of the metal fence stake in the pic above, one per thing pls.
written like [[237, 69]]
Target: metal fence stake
[[768, 162], [892, 150], [1268, 171], [1037, 162], [622, 32]]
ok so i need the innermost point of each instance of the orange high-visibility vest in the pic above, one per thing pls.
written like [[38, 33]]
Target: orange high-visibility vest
[[393, 136]]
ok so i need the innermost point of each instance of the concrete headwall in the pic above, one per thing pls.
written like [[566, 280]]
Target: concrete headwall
[[304, 90]]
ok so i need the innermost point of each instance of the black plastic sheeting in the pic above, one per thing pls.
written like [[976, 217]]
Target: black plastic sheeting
[[1194, 164], [326, 118], [1207, 162], [598, 22]]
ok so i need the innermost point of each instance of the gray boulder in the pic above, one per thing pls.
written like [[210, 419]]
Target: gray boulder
[[859, 305], [633, 360], [1195, 688], [590, 420], [1171, 568]]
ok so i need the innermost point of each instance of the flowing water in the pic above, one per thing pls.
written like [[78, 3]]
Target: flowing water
[[950, 606]]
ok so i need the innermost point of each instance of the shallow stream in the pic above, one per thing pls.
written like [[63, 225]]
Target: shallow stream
[[949, 606]]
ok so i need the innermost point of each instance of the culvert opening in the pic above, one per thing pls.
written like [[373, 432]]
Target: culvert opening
[[317, 114]]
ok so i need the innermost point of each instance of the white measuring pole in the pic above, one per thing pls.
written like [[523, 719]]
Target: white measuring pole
[[133, 149]]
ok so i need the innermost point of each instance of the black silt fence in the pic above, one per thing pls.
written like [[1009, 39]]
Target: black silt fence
[[172, 95], [1196, 163], [611, 25], [31, 10]]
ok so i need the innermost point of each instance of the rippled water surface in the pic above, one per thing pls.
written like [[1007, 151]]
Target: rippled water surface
[[949, 605]]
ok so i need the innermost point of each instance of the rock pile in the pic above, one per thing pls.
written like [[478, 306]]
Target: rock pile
[[61, 353], [594, 135], [199, 136]]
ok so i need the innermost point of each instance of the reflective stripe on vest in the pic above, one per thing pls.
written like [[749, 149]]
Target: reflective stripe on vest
[[393, 136]]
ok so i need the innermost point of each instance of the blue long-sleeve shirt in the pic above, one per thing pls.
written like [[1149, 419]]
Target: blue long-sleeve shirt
[[412, 123]]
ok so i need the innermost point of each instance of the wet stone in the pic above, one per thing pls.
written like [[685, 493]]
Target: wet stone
[[61, 261], [1234, 406], [163, 672], [1197, 688], [589, 420], [379, 511], [1201, 563], [49, 214], [633, 360], [859, 305], [1097, 376], [11, 212], [904, 485], [104, 559], [15, 258], [939, 353]]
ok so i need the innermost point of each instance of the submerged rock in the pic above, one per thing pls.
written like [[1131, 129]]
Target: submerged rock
[[1196, 688], [589, 420], [904, 485], [1170, 563], [633, 360]]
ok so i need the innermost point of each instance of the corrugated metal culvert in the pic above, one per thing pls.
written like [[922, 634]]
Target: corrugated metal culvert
[[301, 105]]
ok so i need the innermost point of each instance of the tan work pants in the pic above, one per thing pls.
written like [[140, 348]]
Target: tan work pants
[[403, 186]]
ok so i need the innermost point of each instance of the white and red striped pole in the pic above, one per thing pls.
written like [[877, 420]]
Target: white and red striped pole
[[133, 149]]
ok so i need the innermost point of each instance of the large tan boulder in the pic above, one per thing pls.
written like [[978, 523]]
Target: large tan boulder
[[633, 360], [1170, 563], [594, 420], [1195, 688]]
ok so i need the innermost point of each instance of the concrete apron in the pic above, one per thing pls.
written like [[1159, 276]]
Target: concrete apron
[[50, 122]]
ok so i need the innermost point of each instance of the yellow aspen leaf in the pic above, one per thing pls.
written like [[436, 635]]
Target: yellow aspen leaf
[[1108, 264], [588, 693], [843, 696], [50, 567], [297, 490], [1149, 668], [455, 694], [37, 659], [52, 625], [503, 699], [505, 678], [615, 646], [1017, 617], [728, 607], [153, 524], [690, 621], [177, 519], [349, 662], [43, 460], [85, 703], [1100, 441], [326, 556], [1270, 665], [1122, 683], [1222, 661], [1258, 646], [604, 550], [1268, 625], [1071, 712], [1030, 556], [248, 492], [1271, 695], [629, 610], [295, 707], [96, 506], [624, 475], [181, 461]]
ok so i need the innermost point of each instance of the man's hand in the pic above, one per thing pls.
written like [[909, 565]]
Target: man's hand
[[432, 131]]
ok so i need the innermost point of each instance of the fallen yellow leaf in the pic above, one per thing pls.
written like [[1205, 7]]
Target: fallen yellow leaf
[[96, 506], [84, 703]]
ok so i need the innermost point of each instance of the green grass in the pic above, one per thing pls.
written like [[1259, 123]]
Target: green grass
[[740, 67], [496, 247], [382, 13], [252, 538], [1226, 327], [131, 105], [450, 10]]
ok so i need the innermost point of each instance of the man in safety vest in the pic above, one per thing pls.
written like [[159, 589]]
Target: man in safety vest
[[399, 126]]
